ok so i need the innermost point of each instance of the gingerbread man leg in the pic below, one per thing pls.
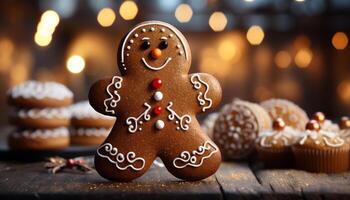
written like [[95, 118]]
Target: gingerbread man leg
[[120, 158], [193, 160]]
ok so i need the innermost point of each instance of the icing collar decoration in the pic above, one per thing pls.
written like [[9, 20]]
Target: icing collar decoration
[[188, 159], [133, 122], [182, 121], [202, 98], [119, 158], [111, 103]]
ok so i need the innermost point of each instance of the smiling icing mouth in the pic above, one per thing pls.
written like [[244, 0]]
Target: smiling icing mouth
[[156, 68]]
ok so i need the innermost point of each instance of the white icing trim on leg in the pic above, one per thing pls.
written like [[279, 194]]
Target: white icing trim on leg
[[133, 122], [111, 103], [182, 121], [130, 157], [190, 159], [202, 98]]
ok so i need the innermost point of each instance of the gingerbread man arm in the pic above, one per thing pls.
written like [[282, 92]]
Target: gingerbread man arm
[[104, 96], [208, 91]]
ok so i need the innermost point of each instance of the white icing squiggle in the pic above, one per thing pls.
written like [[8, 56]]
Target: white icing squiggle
[[119, 158], [156, 68], [188, 159], [91, 132], [83, 110], [111, 103], [327, 138], [42, 133], [133, 122], [46, 113], [286, 135], [182, 121], [202, 98], [40, 90]]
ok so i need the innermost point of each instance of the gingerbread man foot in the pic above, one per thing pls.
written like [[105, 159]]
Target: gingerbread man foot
[[155, 102]]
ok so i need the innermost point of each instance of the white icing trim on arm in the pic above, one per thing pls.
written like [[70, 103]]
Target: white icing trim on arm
[[117, 84], [202, 98]]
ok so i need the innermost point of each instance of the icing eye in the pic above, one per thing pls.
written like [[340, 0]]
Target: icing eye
[[145, 45], [163, 44]]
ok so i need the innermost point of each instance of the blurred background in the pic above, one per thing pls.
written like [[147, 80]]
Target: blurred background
[[258, 49]]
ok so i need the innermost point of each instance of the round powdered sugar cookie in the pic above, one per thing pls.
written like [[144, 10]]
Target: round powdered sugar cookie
[[40, 94], [88, 136], [84, 115], [291, 114], [237, 128]]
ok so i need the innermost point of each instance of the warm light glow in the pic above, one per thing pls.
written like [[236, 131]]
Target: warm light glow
[[75, 64], [218, 21], [303, 58], [255, 35], [301, 41], [227, 50], [262, 93], [299, 0], [106, 17], [183, 13], [128, 10], [343, 90], [340, 40], [283, 59], [42, 39], [50, 17]]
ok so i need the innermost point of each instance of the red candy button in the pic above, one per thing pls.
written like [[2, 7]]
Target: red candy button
[[156, 83], [157, 110]]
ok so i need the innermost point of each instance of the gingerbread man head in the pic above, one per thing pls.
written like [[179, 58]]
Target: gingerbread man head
[[155, 102]]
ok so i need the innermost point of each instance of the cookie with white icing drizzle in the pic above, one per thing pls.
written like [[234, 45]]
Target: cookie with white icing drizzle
[[155, 102], [40, 95], [39, 139], [318, 150], [274, 146], [238, 126], [291, 113]]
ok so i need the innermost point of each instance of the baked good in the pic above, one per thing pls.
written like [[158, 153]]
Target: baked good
[[88, 126], [344, 132], [155, 101], [291, 114], [39, 139], [325, 124], [238, 126], [208, 124], [274, 146], [321, 151], [40, 95], [40, 115]]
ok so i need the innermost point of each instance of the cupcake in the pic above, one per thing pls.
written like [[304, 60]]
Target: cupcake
[[291, 114], [274, 146], [321, 151], [344, 132], [208, 124], [40, 114], [325, 124], [88, 126], [237, 127]]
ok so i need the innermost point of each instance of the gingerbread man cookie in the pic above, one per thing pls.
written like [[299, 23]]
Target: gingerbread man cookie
[[155, 102]]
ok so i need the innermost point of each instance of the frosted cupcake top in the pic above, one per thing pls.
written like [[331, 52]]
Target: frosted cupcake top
[[83, 110], [40, 90]]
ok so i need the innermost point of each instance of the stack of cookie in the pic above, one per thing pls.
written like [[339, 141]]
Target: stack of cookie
[[88, 126], [40, 114]]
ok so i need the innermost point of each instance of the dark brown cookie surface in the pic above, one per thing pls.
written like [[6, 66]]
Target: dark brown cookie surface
[[155, 102]]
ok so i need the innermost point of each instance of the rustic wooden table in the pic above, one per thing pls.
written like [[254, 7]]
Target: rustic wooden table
[[232, 181]]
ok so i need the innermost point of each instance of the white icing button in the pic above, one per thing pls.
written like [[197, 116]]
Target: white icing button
[[143, 30], [136, 35], [160, 124], [158, 96]]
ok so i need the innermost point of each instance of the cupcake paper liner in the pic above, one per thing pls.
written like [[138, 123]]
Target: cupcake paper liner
[[276, 157]]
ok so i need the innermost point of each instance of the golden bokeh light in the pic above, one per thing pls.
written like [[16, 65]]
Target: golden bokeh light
[[343, 90], [50, 18], [303, 58], [340, 40], [106, 17], [218, 21], [42, 39], [283, 59], [75, 64], [183, 13], [302, 41], [128, 10], [255, 35], [228, 50]]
